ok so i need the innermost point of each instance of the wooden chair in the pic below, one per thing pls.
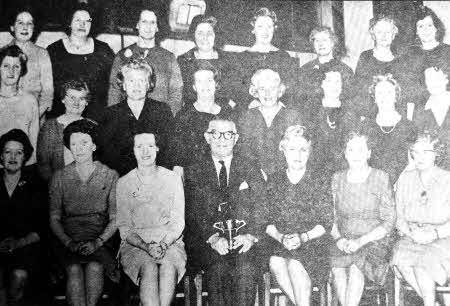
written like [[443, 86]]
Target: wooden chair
[[401, 287], [384, 295], [280, 299]]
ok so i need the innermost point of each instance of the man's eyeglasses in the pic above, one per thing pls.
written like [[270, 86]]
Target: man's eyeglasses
[[226, 135]]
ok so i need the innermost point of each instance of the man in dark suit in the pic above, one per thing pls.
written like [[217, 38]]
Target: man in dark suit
[[223, 187]]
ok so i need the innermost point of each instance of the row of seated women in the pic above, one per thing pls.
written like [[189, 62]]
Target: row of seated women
[[326, 110], [301, 223]]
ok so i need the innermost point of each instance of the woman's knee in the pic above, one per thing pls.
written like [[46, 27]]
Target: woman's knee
[[74, 271], [94, 267], [277, 264], [148, 268], [296, 268], [19, 276]]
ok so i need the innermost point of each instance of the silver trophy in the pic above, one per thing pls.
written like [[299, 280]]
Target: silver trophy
[[230, 228]]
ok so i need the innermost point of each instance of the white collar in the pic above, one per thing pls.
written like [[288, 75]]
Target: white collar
[[218, 165], [438, 102], [256, 103]]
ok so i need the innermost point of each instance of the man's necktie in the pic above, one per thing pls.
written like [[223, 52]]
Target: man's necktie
[[223, 175]]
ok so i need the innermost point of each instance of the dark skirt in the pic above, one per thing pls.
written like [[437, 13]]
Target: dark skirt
[[27, 258], [313, 255], [103, 256]]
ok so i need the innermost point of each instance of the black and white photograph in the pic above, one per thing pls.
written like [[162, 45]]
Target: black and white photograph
[[224, 153]]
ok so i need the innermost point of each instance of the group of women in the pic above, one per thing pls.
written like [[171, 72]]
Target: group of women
[[330, 144]]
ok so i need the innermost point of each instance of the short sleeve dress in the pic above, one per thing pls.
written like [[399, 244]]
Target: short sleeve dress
[[433, 257], [359, 209], [155, 212], [298, 208]]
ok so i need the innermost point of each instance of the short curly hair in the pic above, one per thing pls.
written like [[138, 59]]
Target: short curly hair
[[360, 133], [18, 136], [137, 65], [264, 12], [431, 137], [385, 78], [85, 126], [75, 84], [15, 51], [381, 17], [293, 133], [422, 12], [339, 49]]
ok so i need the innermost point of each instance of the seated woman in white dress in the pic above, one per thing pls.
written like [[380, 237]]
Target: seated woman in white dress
[[422, 255], [150, 217]]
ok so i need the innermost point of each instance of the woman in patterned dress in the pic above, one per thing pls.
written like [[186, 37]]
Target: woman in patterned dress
[[422, 255], [364, 216]]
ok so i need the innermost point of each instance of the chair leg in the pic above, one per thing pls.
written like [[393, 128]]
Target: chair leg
[[187, 291], [329, 293], [199, 288], [399, 294], [266, 277], [323, 295]]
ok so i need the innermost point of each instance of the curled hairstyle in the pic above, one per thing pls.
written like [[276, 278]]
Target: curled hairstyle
[[13, 18], [82, 7], [85, 126], [262, 74], [339, 49], [199, 19], [385, 78], [145, 129], [424, 11], [264, 12], [205, 65], [137, 65], [75, 84], [431, 137], [373, 22], [15, 51], [18, 136], [361, 133], [292, 133]]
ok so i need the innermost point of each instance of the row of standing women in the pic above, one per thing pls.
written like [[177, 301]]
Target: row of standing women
[[264, 103]]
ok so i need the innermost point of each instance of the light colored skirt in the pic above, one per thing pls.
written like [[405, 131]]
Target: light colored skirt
[[132, 259], [433, 257]]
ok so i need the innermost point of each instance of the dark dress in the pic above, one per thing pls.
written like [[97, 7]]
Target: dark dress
[[117, 129], [367, 67], [188, 65], [94, 68], [310, 81], [246, 63], [26, 211], [259, 143], [330, 128], [411, 71], [390, 146], [425, 121], [189, 143], [298, 208]]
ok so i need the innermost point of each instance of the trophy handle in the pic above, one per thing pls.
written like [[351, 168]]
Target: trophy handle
[[240, 223], [219, 226]]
